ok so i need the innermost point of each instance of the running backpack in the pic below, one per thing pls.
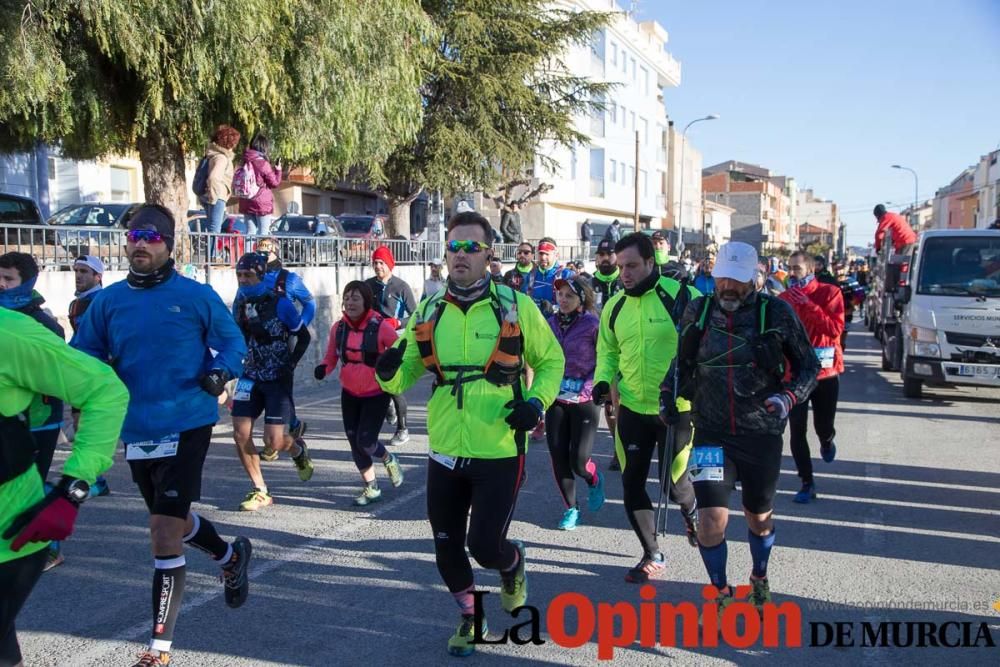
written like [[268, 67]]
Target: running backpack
[[245, 185], [200, 181]]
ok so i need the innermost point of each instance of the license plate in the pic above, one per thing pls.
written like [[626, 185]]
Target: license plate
[[978, 371]]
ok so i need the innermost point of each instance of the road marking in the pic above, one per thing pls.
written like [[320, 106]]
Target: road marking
[[902, 503], [882, 480], [99, 654]]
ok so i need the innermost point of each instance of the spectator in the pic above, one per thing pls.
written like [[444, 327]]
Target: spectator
[[510, 224], [703, 280], [259, 209], [613, 232], [586, 234], [218, 186], [436, 282]]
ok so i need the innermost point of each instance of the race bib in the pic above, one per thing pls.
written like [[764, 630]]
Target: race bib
[[825, 356], [243, 388], [570, 389], [163, 448], [447, 461], [706, 464]]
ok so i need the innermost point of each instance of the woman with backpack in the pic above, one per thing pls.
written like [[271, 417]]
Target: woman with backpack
[[214, 177], [253, 182], [356, 341]]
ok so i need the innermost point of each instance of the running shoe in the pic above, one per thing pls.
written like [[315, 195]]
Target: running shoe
[[570, 519], [806, 494], [297, 429], [514, 585], [460, 644], [55, 558], [235, 573], [390, 415], [595, 495], [722, 600], [648, 568], [400, 437], [761, 593], [151, 658], [368, 495], [828, 451], [268, 454], [255, 500], [691, 526], [395, 470], [99, 488], [302, 462]]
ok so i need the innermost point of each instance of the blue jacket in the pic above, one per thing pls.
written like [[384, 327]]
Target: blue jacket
[[704, 283], [158, 340], [296, 291], [542, 283]]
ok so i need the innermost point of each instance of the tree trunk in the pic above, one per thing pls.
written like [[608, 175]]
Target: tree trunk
[[399, 214], [164, 183]]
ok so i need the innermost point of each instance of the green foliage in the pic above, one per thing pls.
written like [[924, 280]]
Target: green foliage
[[335, 83], [498, 86]]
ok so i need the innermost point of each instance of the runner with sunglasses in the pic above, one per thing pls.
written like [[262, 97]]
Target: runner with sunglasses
[[475, 336], [519, 278], [158, 330]]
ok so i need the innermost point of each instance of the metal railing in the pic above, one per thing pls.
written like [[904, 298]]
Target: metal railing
[[55, 248]]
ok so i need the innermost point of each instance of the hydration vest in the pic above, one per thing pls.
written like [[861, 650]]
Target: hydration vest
[[369, 342], [674, 306], [506, 362], [17, 447], [253, 314]]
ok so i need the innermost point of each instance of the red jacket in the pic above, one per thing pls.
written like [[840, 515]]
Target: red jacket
[[820, 307], [355, 377], [898, 228]]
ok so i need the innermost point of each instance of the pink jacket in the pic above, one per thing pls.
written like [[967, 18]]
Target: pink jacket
[[267, 177], [357, 378]]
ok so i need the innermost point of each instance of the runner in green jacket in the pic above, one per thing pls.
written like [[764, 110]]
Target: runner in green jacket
[[33, 361]]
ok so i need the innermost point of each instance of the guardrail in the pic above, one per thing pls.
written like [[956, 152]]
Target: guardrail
[[55, 248]]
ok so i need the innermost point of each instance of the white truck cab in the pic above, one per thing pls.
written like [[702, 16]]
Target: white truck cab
[[949, 325]]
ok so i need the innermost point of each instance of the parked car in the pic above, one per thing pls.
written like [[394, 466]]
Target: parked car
[[293, 230], [363, 233], [101, 221], [22, 211]]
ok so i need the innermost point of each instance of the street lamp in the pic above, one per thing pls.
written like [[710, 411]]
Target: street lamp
[[680, 212], [916, 190]]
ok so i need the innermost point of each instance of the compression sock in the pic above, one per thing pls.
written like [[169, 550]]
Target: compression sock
[[715, 563], [760, 551], [466, 601], [204, 536], [168, 594]]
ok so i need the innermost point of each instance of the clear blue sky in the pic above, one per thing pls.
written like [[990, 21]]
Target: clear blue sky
[[833, 93]]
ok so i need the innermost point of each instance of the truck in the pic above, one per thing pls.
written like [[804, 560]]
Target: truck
[[944, 328]]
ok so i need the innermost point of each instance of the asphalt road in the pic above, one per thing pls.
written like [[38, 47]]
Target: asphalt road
[[907, 529]]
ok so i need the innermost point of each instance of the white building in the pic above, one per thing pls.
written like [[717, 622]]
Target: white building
[[986, 183], [685, 162], [718, 222], [817, 213], [597, 181]]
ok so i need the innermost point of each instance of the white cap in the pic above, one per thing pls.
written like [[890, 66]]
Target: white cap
[[462, 207], [737, 261], [437, 261], [94, 263]]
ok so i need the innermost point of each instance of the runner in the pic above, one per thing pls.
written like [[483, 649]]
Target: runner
[[545, 274], [571, 422], [267, 321], [436, 281], [18, 274], [661, 251], [606, 283], [283, 282], [820, 308], [519, 278], [356, 341], [638, 340], [174, 389], [732, 351], [393, 301], [36, 364], [475, 337]]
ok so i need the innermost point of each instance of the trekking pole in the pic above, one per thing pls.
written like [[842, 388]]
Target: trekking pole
[[666, 479]]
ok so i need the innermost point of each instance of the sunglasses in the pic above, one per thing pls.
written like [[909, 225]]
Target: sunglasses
[[147, 235], [469, 247]]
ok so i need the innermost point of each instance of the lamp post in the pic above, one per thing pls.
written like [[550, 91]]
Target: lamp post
[[916, 191], [680, 212]]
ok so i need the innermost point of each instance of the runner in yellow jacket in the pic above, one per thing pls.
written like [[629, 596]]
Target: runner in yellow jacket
[[33, 361], [476, 336]]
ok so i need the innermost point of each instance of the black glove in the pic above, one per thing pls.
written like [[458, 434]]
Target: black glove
[[389, 361], [214, 382], [319, 372], [524, 415], [768, 352], [669, 414], [599, 394]]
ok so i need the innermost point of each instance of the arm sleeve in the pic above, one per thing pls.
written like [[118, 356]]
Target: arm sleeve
[[302, 339], [608, 352], [222, 335], [798, 351], [879, 236], [330, 359], [299, 292], [270, 175], [48, 366], [409, 304], [542, 353], [289, 315], [413, 365]]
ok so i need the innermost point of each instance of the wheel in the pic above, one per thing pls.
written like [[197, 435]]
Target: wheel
[[886, 364], [888, 355], [912, 387]]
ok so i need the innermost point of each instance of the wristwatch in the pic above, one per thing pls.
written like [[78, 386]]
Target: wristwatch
[[78, 491]]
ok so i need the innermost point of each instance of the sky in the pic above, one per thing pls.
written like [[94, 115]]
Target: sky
[[834, 92]]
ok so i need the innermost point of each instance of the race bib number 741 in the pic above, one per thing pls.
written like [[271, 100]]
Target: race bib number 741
[[707, 464]]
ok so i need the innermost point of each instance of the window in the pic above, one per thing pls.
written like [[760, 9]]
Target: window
[[644, 80], [645, 182], [624, 118], [621, 173], [597, 53], [624, 62], [633, 70], [52, 168], [632, 117], [597, 117], [121, 184], [613, 168], [644, 128], [596, 172], [614, 53], [572, 164], [631, 176], [612, 111]]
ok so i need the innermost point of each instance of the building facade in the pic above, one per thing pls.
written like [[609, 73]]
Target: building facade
[[761, 215], [817, 217]]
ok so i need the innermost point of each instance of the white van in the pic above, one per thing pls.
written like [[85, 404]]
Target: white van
[[950, 320]]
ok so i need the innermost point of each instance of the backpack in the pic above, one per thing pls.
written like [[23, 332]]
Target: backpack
[[369, 342], [200, 182], [674, 307], [245, 185]]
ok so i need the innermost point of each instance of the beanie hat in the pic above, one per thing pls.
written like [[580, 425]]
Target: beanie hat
[[156, 217], [383, 253]]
